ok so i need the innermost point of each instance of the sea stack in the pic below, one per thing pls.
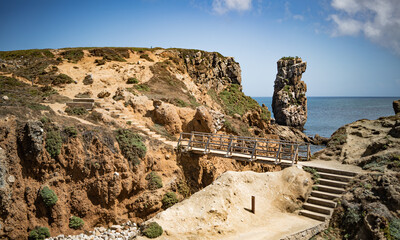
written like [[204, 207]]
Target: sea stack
[[289, 102]]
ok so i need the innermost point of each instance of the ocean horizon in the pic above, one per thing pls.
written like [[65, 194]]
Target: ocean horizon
[[327, 114]]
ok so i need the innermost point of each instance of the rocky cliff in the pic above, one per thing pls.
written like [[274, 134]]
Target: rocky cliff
[[370, 207], [98, 164], [289, 102]]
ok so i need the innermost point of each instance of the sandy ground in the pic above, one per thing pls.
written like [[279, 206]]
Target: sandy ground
[[221, 210]]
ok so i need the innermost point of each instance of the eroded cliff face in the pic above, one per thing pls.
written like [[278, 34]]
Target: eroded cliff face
[[80, 158], [289, 102]]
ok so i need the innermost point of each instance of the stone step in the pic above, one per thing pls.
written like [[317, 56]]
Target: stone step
[[335, 171], [85, 105], [314, 215], [89, 100], [324, 195], [329, 189], [321, 202], [332, 183], [317, 208], [335, 177]]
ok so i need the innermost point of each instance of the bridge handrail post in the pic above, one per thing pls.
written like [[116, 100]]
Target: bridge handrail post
[[254, 153], [208, 142], [278, 153], [179, 141], [296, 155], [190, 140], [229, 146]]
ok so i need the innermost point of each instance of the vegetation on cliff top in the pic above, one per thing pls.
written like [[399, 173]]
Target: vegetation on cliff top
[[235, 101]]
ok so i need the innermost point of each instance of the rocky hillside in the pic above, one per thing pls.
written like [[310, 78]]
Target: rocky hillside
[[289, 102], [370, 207], [68, 169]]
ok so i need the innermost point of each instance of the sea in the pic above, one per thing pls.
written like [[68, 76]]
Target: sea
[[327, 114]]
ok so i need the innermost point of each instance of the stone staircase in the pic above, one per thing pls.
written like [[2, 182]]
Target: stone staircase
[[86, 103], [133, 122], [322, 201]]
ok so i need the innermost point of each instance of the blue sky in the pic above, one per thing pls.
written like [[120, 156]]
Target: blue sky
[[352, 47]]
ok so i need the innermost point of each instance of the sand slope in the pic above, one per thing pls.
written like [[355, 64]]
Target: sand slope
[[219, 210]]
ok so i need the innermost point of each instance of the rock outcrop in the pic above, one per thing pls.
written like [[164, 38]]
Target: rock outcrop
[[211, 70], [396, 106], [289, 102], [166, 114]]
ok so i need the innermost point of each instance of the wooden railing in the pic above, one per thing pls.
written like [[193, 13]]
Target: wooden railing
[[250, 148]]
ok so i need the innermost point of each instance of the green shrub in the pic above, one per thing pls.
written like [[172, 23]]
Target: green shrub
[[183, 189], [287, 89], [62, 79], [154, 181], [132, 80], [394, 230], [314, 174], [146, 56], [38, 106], [71, 132], [152, 230], [48, 196], [351, 216], [289, 58], [235, 101], [39, 233], [78, 111], [73, 55], [131, 145], [53, 143], [142, 88], [169, 200], [45, 119], [179, 102], [30, 53], [76, 222]]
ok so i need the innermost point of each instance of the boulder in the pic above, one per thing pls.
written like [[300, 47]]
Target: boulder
[[103, 94], [119, 94], [141, 104], [289, 102], [203, 121], [396, 106], [167, 115], [88, 79]]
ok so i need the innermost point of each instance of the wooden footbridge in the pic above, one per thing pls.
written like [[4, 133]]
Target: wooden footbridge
[[251, 149]]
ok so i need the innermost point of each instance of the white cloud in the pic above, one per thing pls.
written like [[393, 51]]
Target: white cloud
[[346, 26], [377, 20], [223, 6]]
